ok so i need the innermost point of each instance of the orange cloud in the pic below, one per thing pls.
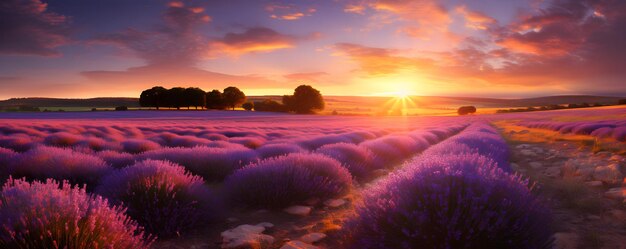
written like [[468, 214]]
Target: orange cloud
[[424, 17], [289, 12], [354, 8], [305, 77], [380, 61], [474, 19], [255, 40]]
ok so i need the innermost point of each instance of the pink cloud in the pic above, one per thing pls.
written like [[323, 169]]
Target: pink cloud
[[256, 40], [29, 28], [288, 12], [475, 19], [306, 77]]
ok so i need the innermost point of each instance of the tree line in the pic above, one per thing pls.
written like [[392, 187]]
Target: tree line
[[178, 97], [305, 99]]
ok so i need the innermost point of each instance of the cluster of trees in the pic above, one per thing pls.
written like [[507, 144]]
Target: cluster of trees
[[305, 99], [178, 97]]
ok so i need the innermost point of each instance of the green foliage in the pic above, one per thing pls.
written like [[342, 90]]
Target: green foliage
[[248, 106], [269, 105], [305, 99], [233, 97], [215, 100]]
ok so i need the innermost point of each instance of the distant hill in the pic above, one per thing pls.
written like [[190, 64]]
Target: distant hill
[[55, 102], [364, 102]]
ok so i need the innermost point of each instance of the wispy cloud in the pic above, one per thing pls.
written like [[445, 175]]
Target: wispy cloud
[[29, 28]]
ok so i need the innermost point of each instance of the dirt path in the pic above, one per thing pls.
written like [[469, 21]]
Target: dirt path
[[579, 185]]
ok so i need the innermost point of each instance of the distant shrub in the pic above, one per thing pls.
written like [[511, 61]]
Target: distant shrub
[[621, 102], [213, 164], [53, 215], [116, 159], [121, 108], [161, 196], [450, 202], [248, 106], [62, 139], [281, 181], [135, 146], [44, 162], [269, 105], [464, 110], [358, 160], [274, 150]]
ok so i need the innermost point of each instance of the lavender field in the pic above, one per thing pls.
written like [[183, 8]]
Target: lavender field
[[219, 179]]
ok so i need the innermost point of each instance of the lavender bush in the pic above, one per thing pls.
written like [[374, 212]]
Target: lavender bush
[[18, 143], [116, 159], [213, 164], [53, 215], [44, 162], [139, 145], [161, 196], [281, 181], [62, 139], [274, 150], [461, 201], [358, 160]]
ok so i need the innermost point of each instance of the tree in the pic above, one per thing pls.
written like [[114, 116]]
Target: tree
[[305, 99], [464, 110], [176, 97], [214, 100], [153, 97], [195, 97], [248, 106], [621, 102], [233, 97]]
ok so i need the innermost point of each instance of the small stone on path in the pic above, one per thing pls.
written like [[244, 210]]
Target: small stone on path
[[312, 237], [249, 236], [536, 165], [298, 210], [334, 203]]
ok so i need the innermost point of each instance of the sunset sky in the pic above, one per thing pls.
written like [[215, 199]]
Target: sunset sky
[[490, 48]]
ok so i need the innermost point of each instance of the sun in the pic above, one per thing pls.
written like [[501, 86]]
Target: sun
[[402, 94]]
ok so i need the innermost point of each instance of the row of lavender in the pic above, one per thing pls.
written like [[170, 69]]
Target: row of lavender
[[163, 190], [458, 194], [615, 129]]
